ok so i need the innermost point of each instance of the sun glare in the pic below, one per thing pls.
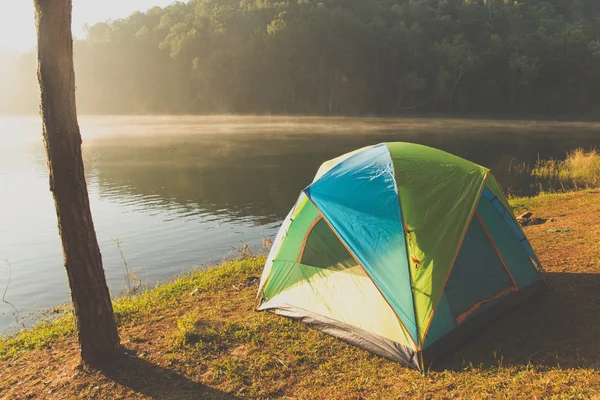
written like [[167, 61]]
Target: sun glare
[[17, 25]]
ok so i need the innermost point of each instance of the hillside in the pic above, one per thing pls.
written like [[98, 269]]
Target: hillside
[[492, 57]]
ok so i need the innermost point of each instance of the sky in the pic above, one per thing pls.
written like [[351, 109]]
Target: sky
[[17, 26]]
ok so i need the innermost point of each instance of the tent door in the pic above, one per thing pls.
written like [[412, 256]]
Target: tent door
[[479, 275]]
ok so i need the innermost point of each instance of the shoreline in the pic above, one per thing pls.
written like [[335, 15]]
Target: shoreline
[[202, 331]]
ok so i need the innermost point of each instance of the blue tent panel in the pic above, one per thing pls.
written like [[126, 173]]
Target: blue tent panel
[[359, 198], [478, 273], [510, 221], [443, 322], [508, 243]]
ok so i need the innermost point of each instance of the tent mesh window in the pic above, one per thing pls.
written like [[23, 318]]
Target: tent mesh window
[[323, 249]]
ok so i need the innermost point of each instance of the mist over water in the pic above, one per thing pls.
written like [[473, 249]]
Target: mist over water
[[183, 191]]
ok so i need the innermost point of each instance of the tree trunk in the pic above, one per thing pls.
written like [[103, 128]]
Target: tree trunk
[[98, 336], [457, 77], [452, 94]]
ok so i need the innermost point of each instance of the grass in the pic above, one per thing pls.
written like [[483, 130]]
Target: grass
[[42, 334], [579, 170], [521, 204], [199, 337], [126, 309]]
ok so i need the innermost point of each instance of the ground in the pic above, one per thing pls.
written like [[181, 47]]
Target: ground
[[199, 337]]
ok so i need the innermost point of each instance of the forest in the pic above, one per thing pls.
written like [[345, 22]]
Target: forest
[[344, 57]]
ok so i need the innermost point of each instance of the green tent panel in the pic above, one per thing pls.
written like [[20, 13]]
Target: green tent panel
[[399, 249], [429, 182]]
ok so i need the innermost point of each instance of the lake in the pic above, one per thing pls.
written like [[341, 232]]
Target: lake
[[184, 191]]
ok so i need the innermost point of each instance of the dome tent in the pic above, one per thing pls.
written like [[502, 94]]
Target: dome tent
[[400, 249]]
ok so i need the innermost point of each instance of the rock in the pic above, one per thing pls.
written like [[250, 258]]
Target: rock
[[252, 281], [553, 230], [525, 215]]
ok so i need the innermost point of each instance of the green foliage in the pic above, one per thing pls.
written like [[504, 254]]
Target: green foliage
[[345, 57], [185, 329], [38, 336], [161, 299]]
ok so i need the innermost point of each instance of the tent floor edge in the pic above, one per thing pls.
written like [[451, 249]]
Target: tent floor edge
[[441, 348], [363, 339]]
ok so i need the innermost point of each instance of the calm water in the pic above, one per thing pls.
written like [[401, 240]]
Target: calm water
[[184, 191]]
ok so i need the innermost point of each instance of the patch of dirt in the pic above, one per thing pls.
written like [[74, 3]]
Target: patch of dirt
[[240, 351], [251, 281]]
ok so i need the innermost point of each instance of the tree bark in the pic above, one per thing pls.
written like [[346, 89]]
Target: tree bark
[[97, 332]]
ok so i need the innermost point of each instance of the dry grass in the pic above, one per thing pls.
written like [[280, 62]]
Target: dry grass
[[213, 345], [579, 170]]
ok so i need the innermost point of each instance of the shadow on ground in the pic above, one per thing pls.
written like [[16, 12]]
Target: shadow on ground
[[157, 382], [560, 328]]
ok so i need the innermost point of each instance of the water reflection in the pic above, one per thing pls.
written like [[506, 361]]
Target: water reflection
[[236, 173], [181, 191], [232, 177]]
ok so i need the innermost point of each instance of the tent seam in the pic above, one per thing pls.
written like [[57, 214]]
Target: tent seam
[[487, 172], [496, 249], [365, 270], [261, 289], [305, 238], [462, 317], [405, 248], [536, 262]]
